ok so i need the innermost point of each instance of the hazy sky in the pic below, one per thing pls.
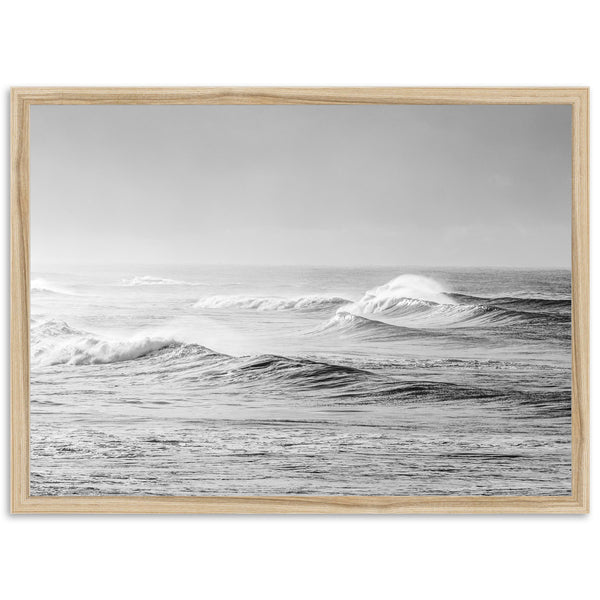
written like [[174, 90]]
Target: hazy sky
[[331, 185]]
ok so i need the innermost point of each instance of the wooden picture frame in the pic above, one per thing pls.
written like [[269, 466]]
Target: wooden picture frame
[[21, 500]]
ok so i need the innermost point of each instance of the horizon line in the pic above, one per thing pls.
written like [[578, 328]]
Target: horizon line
[[298, 265]]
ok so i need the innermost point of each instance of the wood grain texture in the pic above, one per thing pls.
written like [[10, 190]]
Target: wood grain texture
[[276, 95], [580, 409], [301, 504], [22, 502], [19, 299]]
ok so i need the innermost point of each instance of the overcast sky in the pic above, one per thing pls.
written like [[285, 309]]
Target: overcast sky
[[320, 185]]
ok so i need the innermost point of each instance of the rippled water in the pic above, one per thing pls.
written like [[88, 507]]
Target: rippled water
[[269, 381]]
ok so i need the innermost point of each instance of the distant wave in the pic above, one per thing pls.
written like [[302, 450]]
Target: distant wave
[[149, 280], [56, 342], [266, 303], [39, 285], [408, 301]]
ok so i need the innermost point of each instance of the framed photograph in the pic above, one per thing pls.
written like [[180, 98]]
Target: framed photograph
[[299, 300]]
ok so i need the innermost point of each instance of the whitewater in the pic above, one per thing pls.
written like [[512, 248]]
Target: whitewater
[[300, 380]]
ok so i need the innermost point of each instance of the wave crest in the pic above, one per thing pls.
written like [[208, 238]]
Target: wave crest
[[57, 343], [266, 303], [416, 287], [413, 301]]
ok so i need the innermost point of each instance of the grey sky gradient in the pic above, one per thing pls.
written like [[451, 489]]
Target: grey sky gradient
[[320, 185]]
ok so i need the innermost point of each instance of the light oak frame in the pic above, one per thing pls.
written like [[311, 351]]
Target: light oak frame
[[21, 500]]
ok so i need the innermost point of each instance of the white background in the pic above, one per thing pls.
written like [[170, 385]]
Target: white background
[[421, 43]]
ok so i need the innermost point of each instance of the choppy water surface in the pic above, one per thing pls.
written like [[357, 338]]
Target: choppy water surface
[[269, 381]]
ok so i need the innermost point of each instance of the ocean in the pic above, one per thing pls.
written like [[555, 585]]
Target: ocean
[[197, 380]]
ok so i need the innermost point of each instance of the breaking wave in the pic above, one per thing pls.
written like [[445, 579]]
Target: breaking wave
[[416, 287], [406, 302], [420, 313], [420, 302], [266, 303], [56, 342]]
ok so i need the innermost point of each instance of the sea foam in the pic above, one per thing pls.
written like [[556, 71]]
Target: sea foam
[[56, 342], [416, 287]]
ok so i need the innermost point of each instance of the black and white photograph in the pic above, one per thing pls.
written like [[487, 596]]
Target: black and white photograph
[[346, 300], [300, 300]]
